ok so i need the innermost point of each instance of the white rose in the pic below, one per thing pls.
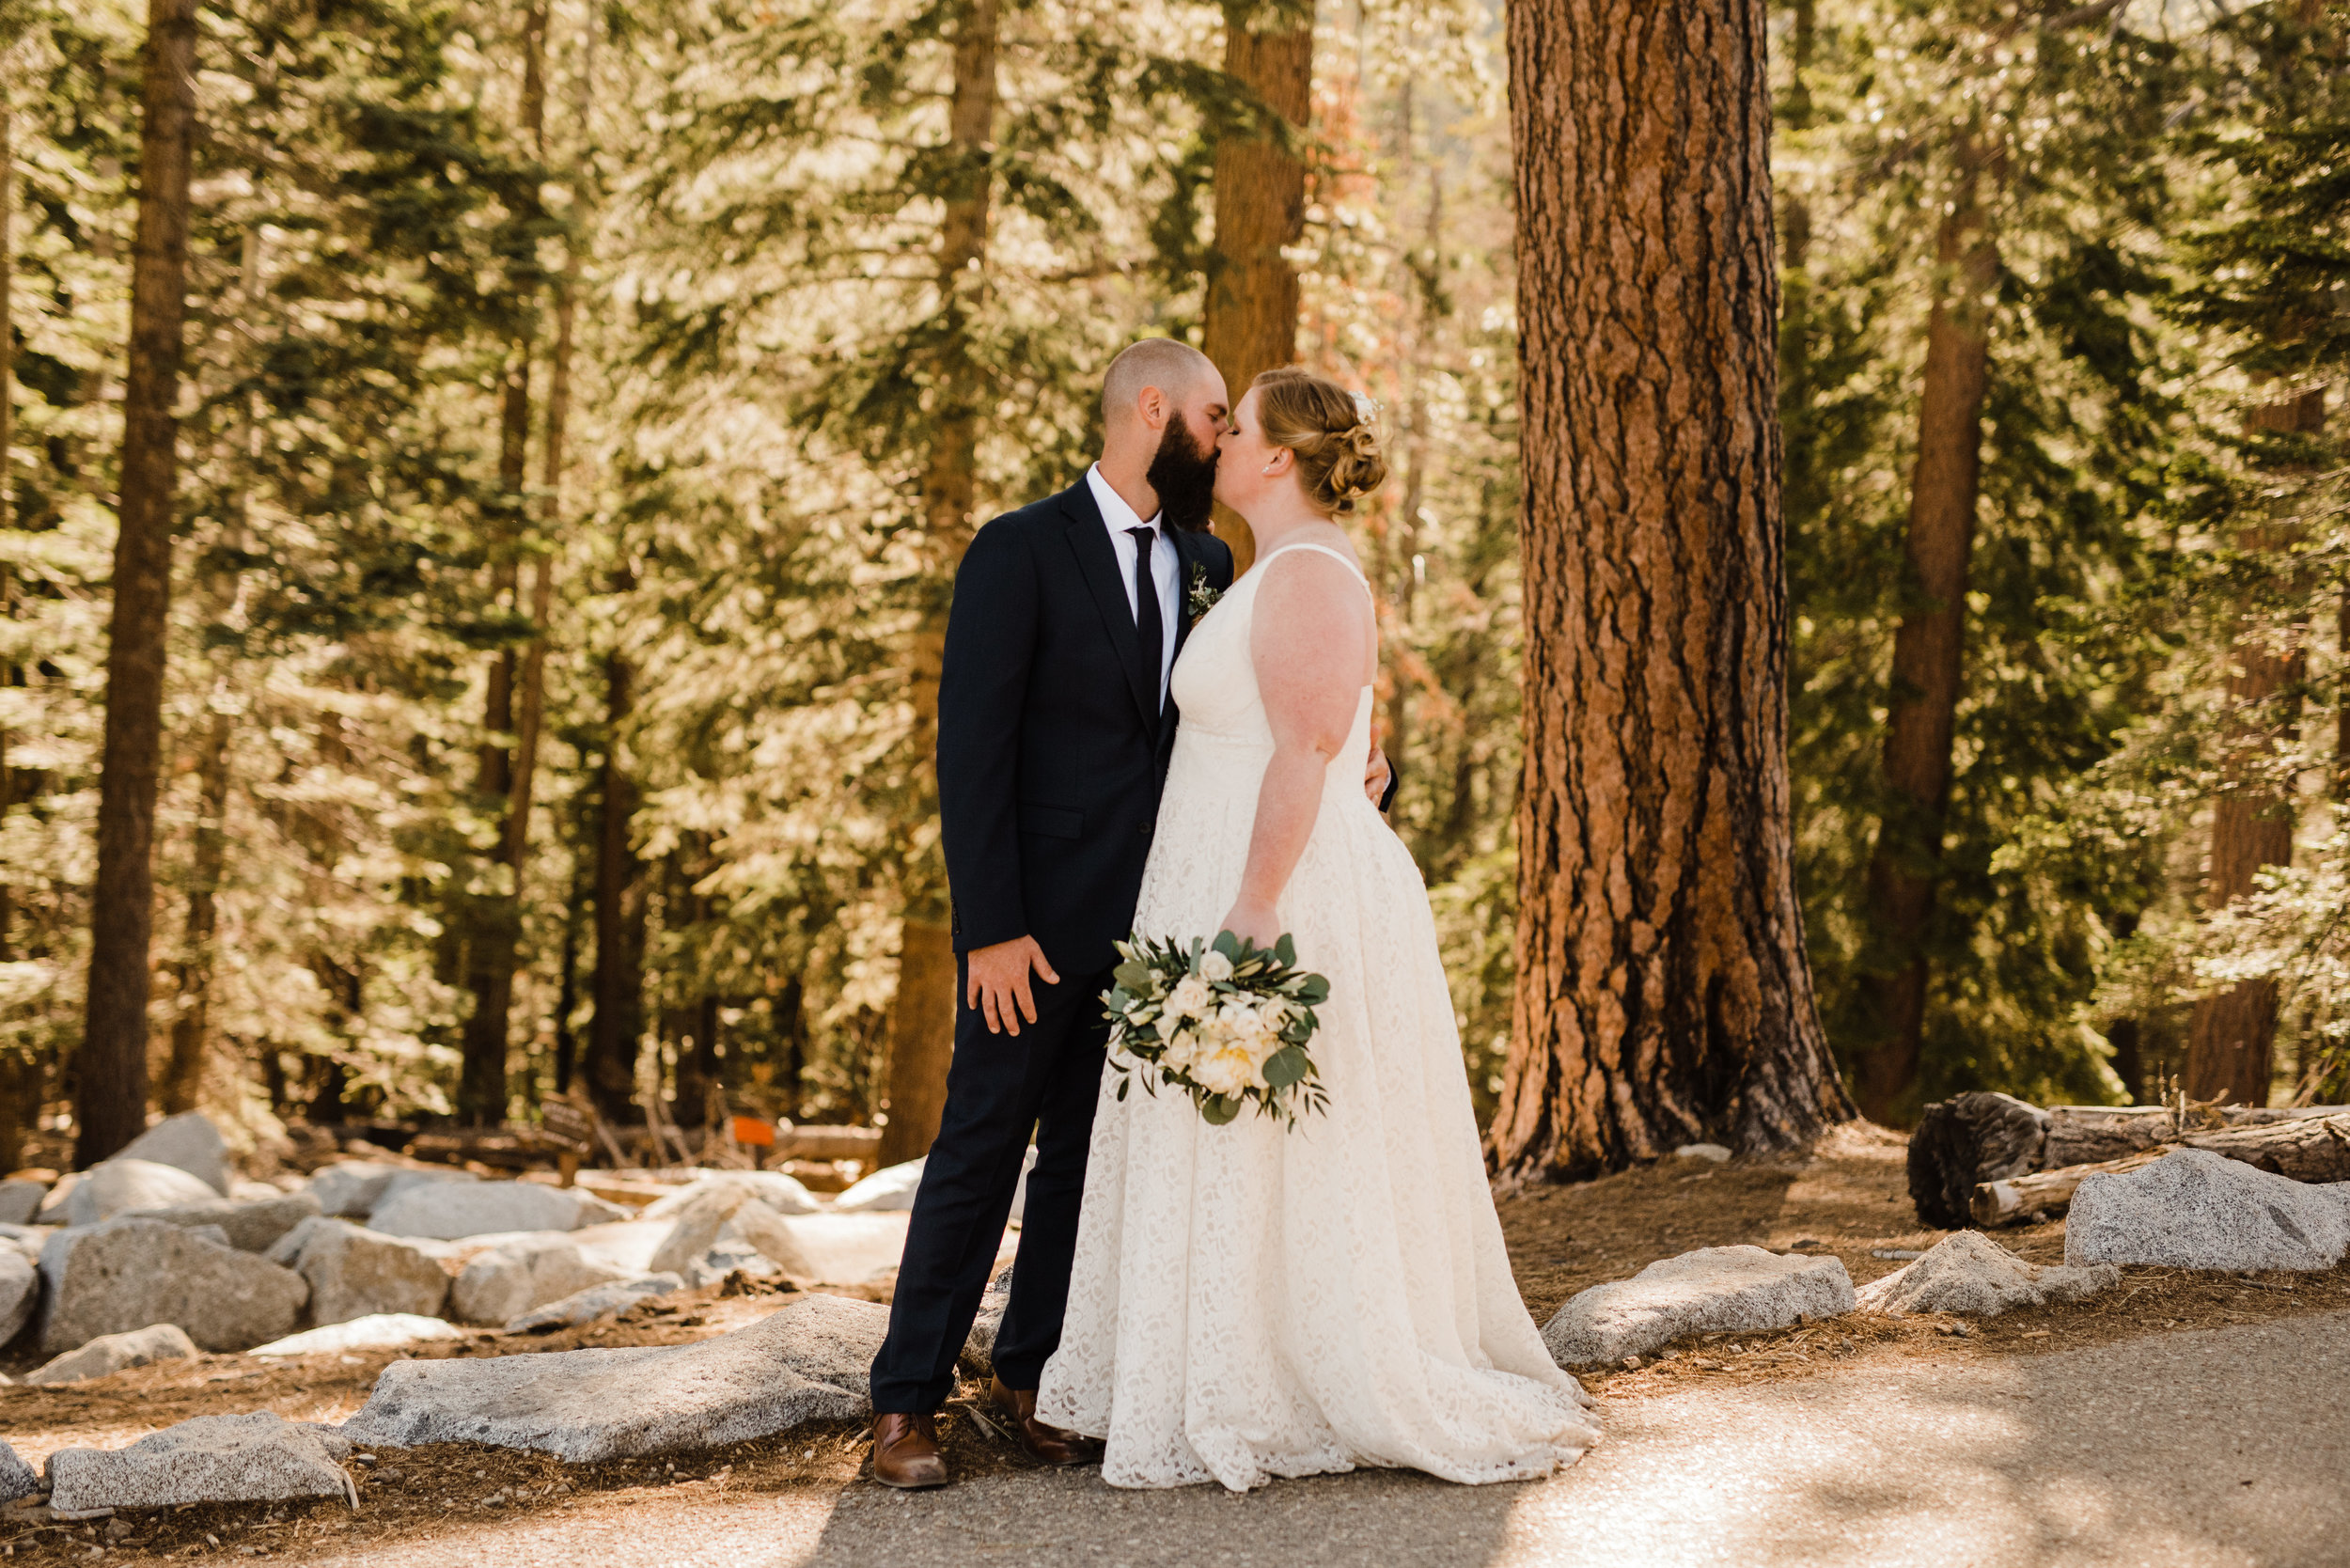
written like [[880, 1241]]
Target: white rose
[[1223, 1071], [1214, 965], [1181, 1047], [1191, 999], [1240, 1018]]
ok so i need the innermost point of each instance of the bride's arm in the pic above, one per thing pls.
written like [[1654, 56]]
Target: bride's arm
[[1310, 641]]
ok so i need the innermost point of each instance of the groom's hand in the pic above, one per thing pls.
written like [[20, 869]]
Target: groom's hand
[[1375, 776], [999, 979]]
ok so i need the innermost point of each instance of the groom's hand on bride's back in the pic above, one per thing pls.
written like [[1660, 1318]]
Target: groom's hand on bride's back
[[999, 983]]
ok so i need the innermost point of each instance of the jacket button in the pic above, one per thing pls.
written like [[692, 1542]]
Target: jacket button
[[1144, 830]]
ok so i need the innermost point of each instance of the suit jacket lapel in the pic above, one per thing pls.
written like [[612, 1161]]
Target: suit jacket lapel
[[1091, 539]]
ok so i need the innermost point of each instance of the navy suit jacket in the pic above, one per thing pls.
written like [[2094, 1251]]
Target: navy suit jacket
[[1052, 746]]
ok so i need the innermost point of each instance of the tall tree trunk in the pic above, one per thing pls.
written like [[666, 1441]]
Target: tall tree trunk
[[192, 979], [567, 985], [922, 1019], [2231, 1035], [1662, 991], [496, 913], [618, 982], [1929, 649], [7, 467], [192, 1023], [1406, 667], [111, 1066], [1252, 298]]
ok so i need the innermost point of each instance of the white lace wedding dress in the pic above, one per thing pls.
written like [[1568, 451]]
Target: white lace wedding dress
[[1249, 1301]]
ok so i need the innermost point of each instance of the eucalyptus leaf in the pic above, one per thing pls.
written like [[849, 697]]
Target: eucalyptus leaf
[[1285, 1067], [1218, 1110], [1286, 949]]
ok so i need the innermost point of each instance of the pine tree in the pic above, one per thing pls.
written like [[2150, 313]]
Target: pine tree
[[1662, 995]]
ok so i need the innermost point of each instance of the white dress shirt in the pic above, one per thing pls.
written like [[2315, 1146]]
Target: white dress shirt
[[1165, 569]]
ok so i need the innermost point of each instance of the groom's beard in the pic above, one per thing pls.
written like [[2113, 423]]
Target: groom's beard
[[1183, 472]]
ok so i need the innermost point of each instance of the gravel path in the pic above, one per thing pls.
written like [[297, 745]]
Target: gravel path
[[2222, 1447]]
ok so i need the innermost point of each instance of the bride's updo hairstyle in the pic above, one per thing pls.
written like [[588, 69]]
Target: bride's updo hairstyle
[[1338, 464]]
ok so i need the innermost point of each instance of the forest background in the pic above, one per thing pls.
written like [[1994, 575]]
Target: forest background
[[582, 407]]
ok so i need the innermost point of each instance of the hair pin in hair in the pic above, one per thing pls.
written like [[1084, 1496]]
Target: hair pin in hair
[[1366, 406]]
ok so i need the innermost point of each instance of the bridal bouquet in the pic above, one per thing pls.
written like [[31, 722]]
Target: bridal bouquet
[[1226, 1021]]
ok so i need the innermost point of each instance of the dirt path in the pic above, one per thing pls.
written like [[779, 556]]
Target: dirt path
[[2080, 1434], [2170, 1449]]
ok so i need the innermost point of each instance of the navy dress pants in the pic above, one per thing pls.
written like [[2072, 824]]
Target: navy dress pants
[[1000, 1088]]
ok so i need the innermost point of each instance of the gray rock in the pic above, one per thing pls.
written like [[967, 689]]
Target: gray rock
[[2195, 1209], [1969, 1272], [770, 1233], [979, 1350], [1738, 1288], [780, 1192], [350, 1186], [1711, 1154], [121, 1185], [808, 1362], [128, 1273], [626, 1246], [112, 1353], [17, 1478], [53, 1207], [891, 1188], [505, 1283], [446, 1211], [694, 1231], [356, 1273], [259, 1457], [187, 1142], [375, 1331], [597, 1301], [372, 1332], [19, 1202], [250, 1227], [20, 1292]]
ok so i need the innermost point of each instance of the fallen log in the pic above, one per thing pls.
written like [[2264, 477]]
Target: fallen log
[[2313, 1147], [1964, 1141], [2308, 1149], [2040, 1194], [1969, 1139]]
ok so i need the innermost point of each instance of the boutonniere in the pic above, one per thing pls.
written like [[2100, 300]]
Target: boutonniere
[[1203, 597]]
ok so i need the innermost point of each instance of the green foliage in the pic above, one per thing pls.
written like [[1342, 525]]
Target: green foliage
[[2069, 126]]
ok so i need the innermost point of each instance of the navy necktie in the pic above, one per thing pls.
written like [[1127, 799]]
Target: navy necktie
[[1149, 624]]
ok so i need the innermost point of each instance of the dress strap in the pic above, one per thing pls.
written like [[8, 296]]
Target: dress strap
[[1335, 554]]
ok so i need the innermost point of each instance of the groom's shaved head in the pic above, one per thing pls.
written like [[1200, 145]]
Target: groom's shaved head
[[1173, 367]]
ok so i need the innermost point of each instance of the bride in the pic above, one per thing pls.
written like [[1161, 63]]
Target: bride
[[1250, 1301]]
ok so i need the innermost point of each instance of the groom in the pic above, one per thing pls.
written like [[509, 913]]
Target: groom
[[1054, 734]]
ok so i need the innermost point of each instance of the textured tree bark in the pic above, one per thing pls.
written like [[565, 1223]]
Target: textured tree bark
[[503, 776], [1252, 302], [2231, 1035], [922, 1018], [1929, 649], [1662, 991], [618, 980], [111, 1066]]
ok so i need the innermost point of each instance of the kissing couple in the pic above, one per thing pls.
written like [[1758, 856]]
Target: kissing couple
[[1130, 742]]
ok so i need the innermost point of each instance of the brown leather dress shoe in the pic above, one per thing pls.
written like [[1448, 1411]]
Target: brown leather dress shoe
[[905, 1451], [1046, 1445]]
